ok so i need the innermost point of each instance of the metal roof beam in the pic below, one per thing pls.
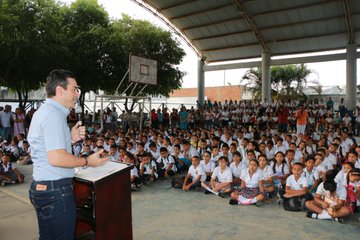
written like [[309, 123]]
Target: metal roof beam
[[249, 19], [349, 25], [201, 12], [178, 5], [274, 41], [285, 61], [294, 8], [221, 35], [212, 23]]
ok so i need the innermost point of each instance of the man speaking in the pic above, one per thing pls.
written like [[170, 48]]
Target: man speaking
[[51, 192]]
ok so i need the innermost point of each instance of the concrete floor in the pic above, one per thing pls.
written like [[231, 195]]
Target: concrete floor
[[160, 212]]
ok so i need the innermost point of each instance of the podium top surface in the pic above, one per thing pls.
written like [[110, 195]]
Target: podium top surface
[[94, 174]]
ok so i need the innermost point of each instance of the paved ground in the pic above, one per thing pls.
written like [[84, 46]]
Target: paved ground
[[160, 212]]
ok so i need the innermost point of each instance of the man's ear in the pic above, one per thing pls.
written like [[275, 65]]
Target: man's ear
[[59, 91]]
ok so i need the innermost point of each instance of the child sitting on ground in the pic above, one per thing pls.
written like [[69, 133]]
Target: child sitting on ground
[[8, 172], [147, 169], [329, 202], [195, 176], [221, 179], [252, 189], [209, 165], [25, 154], [134, 174], [311, 174], [166, 164], [353, 189], [236, 169], [296, 187], [268, 174]]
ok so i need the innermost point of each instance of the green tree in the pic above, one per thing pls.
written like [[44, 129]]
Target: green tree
[[141, 38], [287, 81], [29, 40], [85, 29]]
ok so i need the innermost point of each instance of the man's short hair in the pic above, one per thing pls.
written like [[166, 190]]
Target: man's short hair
[[57, 77]]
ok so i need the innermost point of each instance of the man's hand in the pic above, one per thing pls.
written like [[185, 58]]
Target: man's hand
[[77, 132], [95, 159]]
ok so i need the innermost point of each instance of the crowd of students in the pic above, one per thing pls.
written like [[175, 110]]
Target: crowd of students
[[305, 153]]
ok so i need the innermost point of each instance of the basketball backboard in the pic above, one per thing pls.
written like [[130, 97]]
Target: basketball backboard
[[142, 70]]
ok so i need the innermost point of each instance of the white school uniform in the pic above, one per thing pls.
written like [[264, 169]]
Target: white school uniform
[[332, 159], [134, 172], [340, 178], [148, 168], [296, 185], [198, 171], [267, 172], [209, 167], [278, 169], [251, 181], [236, 170], [332, 200], [225, 176], [310, 176], [357, 163], [169, 159]]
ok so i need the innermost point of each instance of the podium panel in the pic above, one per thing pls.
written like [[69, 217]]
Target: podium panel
[[103, 201]]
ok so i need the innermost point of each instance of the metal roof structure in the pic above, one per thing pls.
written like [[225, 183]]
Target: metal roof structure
[[226, 30]]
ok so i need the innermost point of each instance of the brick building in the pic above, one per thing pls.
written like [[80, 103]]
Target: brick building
[[220, 93]]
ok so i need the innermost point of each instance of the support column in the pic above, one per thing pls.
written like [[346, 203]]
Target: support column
[[351, 76], [266, 82], [201, 80]]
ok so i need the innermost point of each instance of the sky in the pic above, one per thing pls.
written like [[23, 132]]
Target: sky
[[327, 73]]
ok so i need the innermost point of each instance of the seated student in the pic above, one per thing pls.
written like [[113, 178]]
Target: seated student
[[311, 174], [252, 189], [353, 189], [215, 155], [280, 169], [25, 154], [221, 179], [165, 164], [320, 168], [329, 202], [8, 172], [134, 174], [342, 174], [236, 169], [250, 154], [268, 174], [225, 152], [209, 165], [296, 185], [182, 163], [195, 176], [114, 153], [290, 157], [153, 149], [147, 169]]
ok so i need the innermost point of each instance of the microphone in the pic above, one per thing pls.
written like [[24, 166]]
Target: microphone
[[78, 111]]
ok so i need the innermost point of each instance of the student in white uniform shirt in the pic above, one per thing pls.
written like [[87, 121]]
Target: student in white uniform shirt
[[147, 169], [280, 169], [208, 165], [221, 178], [268, 174], [296, 185], [252, 189], [342, 174], [320, 167], [311, 174], [236, 169], [165, 164], [225, 152], [353, 189], [195, 176], [328, 202], [215, 155]]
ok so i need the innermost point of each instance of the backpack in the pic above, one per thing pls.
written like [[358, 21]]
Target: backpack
[[177, 182], [294, 204]]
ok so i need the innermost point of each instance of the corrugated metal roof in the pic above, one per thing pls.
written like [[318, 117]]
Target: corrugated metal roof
[[222, 30]]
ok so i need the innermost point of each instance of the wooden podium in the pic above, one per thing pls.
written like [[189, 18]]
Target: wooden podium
[[103, 201]]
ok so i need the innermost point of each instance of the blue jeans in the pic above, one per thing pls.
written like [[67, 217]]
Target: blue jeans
[[4, 132], [55, 208]]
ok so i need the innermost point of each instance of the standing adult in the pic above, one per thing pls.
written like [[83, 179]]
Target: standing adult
[[19, 122], [302, 118], [6, 118], [51, 192], [283, 118]]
